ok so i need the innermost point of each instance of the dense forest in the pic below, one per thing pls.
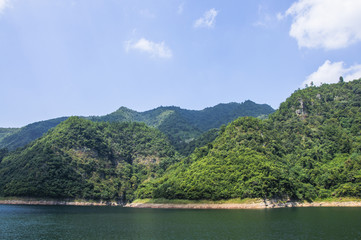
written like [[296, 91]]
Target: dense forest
[[20, 137], [309, 148], [181, 126], [4, 132], [83, 159]]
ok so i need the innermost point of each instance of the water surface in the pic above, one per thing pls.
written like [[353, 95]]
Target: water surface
[[70, 222]]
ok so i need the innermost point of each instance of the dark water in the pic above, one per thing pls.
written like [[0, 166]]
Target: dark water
[[67, 222]]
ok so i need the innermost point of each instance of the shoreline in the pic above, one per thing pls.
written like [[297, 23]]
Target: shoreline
[[255, 205], [49, 202]]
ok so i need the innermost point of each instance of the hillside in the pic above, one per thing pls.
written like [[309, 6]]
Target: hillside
[[183, 126], [308, 149], [214, 117], [179, 125], [203, 120], [4, 132], [87, 160], [21, 137], [241, 162]]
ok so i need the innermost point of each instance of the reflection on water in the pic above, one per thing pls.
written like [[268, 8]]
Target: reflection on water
[[69, 222]]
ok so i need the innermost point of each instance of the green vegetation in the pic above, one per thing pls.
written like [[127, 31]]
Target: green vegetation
[[3, 153], [186, 148], [181, 126], [20, 137], [239, 163], [4, 132], [216, 116], [184, 127], [86, 160], [308, 149]]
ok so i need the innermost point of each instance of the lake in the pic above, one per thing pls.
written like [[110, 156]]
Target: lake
[[70, 222]]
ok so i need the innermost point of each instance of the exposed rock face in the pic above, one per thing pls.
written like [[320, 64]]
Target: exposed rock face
[[301, 112]]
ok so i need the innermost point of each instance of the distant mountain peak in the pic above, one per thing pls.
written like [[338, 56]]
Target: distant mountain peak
[[124, 109], [177, 123]]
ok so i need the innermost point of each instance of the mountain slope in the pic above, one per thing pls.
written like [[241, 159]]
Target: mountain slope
[[4, 132], [214, 117], [204, 120], [83, 159], [25, 135], [241, 162], [309, 148], [180, 125]]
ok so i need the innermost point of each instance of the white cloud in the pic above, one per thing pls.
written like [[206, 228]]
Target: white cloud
[[264, 18], [330, 73], [328, 24], [3, 5], [180, 8], [154, 49], [208, 20], [280, 16]]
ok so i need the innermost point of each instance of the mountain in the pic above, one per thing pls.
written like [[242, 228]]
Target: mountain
[[214, 117], [182, 126], [87, 160], [309, 148], [21, 137], [4, 132], [204, 120], [186, 148], [179, 125], [242, 162], [208, 118]]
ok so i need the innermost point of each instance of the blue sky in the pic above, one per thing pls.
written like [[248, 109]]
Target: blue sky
[[89, 57]]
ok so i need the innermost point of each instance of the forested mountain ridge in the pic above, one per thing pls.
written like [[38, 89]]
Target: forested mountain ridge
[[330, 113], [88, 160], [4, 132], [309, 148], [214, 117], [206, 119], [180, 125], [30, 132]]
